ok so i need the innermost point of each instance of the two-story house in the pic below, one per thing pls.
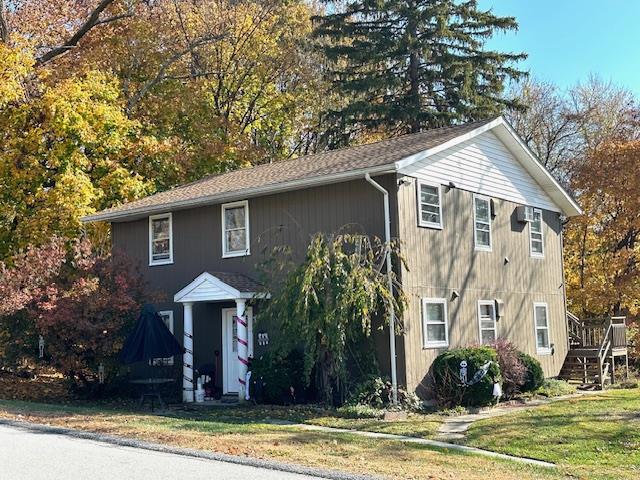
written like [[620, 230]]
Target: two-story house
[[478, 217]]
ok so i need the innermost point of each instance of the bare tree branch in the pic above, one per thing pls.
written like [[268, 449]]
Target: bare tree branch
[[164, 67], [90, 23], [4, 26]]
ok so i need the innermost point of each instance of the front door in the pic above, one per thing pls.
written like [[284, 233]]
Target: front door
[[230, 348]]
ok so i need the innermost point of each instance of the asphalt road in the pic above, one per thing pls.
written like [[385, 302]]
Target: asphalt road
[[34, 455]]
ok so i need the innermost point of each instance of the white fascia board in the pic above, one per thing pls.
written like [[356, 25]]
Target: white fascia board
[[238, 195]]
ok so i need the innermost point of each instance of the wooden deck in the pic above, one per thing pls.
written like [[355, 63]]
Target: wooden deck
[[594, 346]]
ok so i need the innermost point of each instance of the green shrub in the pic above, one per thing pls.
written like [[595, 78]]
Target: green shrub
[[274, 374], [448, 389], [376, 393], [535, 375], [555, 388]]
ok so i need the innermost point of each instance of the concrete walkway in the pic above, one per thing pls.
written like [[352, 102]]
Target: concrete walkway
[[421, 441], [454, 428]]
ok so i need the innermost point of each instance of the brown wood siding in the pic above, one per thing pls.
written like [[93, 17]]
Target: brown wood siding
[[288, 218], [441, 261]]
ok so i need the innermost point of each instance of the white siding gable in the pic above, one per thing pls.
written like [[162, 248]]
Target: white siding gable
[[482, 165]]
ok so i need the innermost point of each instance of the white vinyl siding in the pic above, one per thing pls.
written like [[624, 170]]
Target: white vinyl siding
[[483, 165], [482, 222], [167, 318], [487, 321], [435, 329], [536, 240], [541, 321], [429, 205], [235, 229], [161, 239]]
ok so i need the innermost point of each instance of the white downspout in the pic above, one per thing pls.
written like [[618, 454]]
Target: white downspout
[[392, 316]]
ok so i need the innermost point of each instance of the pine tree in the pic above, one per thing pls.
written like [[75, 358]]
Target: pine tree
[[401, 66]]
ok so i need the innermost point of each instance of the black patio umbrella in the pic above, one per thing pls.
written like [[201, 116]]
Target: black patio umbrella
[[149, 339]]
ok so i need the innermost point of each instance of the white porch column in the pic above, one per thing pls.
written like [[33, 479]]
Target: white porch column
[[243, 346], [187, 359]]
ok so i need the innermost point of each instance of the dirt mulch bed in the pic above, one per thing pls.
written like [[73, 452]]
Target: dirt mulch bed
[[44, 386]]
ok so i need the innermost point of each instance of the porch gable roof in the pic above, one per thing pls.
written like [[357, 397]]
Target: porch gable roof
[[219, 286]]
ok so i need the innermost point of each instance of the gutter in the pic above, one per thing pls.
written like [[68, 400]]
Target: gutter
[[392, 315]]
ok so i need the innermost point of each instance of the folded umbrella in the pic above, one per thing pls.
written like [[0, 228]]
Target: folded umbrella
[[149, 339]]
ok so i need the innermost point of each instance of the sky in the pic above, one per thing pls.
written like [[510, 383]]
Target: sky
[[569, 39]]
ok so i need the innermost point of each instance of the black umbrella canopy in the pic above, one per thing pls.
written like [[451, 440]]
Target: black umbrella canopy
[[149, 339]]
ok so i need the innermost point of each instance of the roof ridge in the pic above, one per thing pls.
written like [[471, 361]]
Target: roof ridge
[[281, 162]]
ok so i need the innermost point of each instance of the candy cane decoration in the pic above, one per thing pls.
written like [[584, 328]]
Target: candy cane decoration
[[243, 347], [187, 359]]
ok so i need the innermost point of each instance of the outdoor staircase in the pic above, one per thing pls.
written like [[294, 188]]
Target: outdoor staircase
[[593, 347]]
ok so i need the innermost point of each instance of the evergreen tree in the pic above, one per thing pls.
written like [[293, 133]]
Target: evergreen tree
[[402, 66]]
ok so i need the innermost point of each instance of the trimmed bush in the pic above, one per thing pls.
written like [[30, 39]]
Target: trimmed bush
[[535, 375], [448, 389]]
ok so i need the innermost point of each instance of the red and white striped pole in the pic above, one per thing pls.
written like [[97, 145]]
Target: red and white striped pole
[[243, 346]]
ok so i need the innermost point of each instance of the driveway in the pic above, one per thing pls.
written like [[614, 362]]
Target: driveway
[[34, 455]]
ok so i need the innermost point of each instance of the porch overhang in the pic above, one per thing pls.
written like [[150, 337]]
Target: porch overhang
[[219, 287]]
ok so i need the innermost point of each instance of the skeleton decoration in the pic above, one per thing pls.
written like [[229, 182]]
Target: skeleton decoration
[[101, 374], [479, 375], [463, 372], [41, 346]]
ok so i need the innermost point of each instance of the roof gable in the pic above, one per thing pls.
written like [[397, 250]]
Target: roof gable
[[207, 287], [484, 165]]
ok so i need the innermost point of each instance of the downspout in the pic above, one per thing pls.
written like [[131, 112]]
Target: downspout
[[392, 316]]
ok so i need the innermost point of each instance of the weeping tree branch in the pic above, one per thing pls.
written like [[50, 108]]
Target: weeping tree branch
[[91, 22]]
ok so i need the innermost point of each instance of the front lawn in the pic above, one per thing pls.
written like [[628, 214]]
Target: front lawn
[[247, 431], [595, 436]]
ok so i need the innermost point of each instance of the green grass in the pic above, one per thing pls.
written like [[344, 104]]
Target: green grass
[[250, 431], [595, 436]]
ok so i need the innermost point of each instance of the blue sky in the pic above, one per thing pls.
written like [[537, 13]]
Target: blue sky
[[568, 39]]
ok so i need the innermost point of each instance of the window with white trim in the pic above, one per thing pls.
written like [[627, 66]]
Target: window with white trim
[[541, 319], [235, 229], [487, 320], [429, 205], [434, 323], [167, 318], [160, 239], [482, 222], [536, 240]]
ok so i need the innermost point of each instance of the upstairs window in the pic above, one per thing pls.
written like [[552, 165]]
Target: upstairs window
[[429, 205], [160, 239], [167, 319], [541, 318], [434, 323], [235, 229], [487, 319], [482, 222], [536, 241]]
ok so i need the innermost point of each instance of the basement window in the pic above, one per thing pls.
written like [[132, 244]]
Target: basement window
[[429, 205], [235, 229], [160, 239], [541, 318], [434, 323]]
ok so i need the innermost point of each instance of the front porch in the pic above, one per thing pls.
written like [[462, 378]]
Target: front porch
[[215, 307]]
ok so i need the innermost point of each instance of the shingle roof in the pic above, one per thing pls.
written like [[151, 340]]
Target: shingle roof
[[269, 176], [239, 281]]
